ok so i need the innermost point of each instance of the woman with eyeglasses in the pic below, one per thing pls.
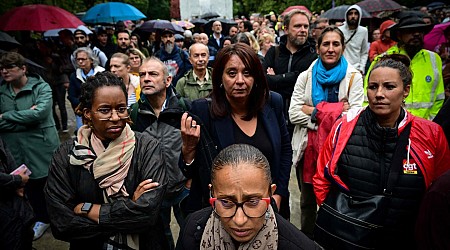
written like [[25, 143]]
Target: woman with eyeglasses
[[105, 187], [87, 65], [28, 128], [240, 216]]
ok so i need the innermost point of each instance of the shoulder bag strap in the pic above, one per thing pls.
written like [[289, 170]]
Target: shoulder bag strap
[[350, 84], [354, 33], [397, 161]]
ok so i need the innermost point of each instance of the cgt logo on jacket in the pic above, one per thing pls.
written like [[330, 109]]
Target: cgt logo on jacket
[[409, 167]]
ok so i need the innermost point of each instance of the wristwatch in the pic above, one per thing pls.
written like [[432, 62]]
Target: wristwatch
[[86, 207]]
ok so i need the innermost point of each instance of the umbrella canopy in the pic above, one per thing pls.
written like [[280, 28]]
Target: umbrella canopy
[[54, 32], [375, 6], [8, 42], [297, 7], [28, 61], [199, 21], [6, 38], [209, 15], [226, 24], [38, 17], [436, 36], [338, 13], [184, 24], [112, 12], [159, 25]]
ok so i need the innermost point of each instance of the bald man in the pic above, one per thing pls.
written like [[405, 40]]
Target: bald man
[[216, 39], [203, 38]]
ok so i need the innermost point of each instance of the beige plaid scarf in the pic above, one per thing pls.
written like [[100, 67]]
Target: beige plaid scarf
[[215, 237], [109, 166]]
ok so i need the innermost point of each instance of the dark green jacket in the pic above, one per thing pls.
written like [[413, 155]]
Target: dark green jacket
[[188, 87], [29, 133]]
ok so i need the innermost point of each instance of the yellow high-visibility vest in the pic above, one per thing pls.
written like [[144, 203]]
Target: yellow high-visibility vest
[[426, 95]]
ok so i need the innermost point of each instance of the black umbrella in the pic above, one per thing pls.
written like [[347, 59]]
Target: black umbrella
[[8, 42], [28, 61], [209, 15], [226, 24], [199, 21], [159, 25], [376, 6], [223, 21], [338, 13]]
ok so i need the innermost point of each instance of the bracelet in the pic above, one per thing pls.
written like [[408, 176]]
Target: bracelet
[[188, 164]]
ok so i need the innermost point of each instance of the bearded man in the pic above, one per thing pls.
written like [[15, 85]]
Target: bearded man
[[427, 94], [176, 59]]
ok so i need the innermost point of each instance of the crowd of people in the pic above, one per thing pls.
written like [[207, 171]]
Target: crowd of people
[[208, 125]]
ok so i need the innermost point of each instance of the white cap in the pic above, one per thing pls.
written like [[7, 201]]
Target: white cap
[[187, 33]]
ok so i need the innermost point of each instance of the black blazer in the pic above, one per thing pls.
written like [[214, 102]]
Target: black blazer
[[221, 131]]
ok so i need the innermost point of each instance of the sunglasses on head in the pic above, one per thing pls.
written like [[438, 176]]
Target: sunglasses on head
[[8, 66]]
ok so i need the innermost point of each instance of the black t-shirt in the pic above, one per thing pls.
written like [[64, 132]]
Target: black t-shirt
[[259, 140]]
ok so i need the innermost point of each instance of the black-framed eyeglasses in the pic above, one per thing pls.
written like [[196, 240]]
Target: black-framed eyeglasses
[[8, 66], [252, 208], [105, 114]]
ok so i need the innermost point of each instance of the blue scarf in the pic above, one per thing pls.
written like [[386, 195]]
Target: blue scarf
[[322, 77]]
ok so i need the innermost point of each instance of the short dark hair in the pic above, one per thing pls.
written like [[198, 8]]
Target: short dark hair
[[123, 31], [247, 25], [237, 154], [260, 90], [88, 88]]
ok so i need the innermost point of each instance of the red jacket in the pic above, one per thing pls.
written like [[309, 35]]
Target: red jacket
[[429, 150]]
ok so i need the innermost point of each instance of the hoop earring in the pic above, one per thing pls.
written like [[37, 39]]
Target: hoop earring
[[267, 215], [221, 86]]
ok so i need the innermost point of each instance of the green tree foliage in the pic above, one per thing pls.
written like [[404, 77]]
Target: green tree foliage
[[158, 9]]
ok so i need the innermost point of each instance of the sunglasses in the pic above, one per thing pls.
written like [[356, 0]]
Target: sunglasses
[[8, 67]]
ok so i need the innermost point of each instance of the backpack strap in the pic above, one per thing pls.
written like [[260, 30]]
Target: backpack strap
[[134, 108], [277, 53]]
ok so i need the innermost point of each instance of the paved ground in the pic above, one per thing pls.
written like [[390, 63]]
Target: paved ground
[[47, 242]]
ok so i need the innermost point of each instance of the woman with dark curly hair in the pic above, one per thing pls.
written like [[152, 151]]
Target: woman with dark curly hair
[[105, 188]]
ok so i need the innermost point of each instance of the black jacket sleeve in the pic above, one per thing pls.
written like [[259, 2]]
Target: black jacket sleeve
[[120, 215], [8, 183], [281, 82]]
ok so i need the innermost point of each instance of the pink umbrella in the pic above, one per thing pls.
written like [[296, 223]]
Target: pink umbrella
[[38, 17], [436, 36], [297, 7]]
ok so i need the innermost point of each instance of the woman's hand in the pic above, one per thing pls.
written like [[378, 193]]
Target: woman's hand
[[308, 110], [143, 187], [190, 135], [20, 191], [270, 71], [346, 105]]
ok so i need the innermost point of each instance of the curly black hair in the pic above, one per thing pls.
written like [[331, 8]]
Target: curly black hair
[[88, 88]]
